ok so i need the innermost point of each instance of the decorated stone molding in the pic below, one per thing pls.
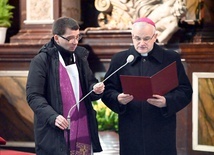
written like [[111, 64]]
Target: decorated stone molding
[[120, 14]]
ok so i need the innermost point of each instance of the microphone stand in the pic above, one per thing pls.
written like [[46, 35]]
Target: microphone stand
[[115, 71], [129, 59]]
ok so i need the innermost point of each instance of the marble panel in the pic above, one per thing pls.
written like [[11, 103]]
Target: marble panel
[[202, 111]]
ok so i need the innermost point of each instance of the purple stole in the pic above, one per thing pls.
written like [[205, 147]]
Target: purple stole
[[80, 143]]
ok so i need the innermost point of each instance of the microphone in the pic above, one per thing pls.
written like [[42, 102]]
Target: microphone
[[129, 59]]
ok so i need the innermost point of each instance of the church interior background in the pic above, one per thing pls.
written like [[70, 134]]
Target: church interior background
[[186, 26]]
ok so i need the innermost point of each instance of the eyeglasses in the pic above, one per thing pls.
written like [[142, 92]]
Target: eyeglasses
[[146, 39], [72, 38]]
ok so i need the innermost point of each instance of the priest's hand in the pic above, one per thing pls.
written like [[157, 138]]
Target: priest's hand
[[124, 98], [61, 122], [158, 101], [98, 88]]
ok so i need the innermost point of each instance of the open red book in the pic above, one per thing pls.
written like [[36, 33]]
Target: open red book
[[143, 87]]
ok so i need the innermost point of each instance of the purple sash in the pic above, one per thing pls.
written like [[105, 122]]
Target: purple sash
[[79, 134]]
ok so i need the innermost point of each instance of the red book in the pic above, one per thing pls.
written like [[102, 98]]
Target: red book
[[143, 87]]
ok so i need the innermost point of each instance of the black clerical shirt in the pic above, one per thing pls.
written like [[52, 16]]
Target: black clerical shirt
[[67, 56]]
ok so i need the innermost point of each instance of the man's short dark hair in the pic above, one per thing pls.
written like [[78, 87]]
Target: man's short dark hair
[[60, 25]]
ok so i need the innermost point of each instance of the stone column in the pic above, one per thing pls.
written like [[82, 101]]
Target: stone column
[[36, 21], [39, 12], [72, 8], [37, 18]]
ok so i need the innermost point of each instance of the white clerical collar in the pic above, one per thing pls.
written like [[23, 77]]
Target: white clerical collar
[[144, 54]]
